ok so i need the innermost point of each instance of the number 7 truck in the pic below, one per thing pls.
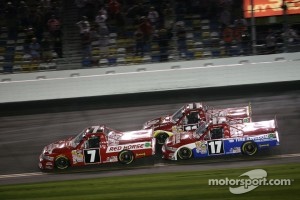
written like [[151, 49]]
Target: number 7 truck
[[97, 145]]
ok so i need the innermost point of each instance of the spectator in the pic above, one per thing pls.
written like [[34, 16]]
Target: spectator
[[57, 43], [23, 14], [80, 4], [29, 34], [181, 38], [163, 38], [11, 19], [84, 25], [37, 22], [135, 12], [90, 10], [290, 35], [225, 18], [103, 11], [34, 49], [168, 17], [86, 44], [103, 38], [146, 29], [114, 8], [101, 20], [53, 25], [46, 48], [228, 38], [139, 42], [246, 45], [153, 17], [115, 15], [271, 42], [241, 35], [240, 25]]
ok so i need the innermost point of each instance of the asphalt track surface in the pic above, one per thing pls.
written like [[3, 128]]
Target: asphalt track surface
[[25, 128]]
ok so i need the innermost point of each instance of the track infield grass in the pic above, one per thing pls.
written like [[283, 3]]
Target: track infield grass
[[180, 185]]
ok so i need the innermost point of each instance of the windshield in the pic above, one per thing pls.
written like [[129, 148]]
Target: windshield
[[177, 115], [92, 129], [79, 137]]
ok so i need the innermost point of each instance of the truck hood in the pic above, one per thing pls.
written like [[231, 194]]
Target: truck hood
[[130, 136], [157, 122], [58, 145]]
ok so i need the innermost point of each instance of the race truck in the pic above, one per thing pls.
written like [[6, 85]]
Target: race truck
[[216, 139], [191, 114], [97, 145]]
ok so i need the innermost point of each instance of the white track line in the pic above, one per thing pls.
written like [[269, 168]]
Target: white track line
[[134, 72], [41, 173], [21, 175]]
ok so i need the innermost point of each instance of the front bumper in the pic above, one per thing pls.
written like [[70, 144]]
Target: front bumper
[[44, 163]]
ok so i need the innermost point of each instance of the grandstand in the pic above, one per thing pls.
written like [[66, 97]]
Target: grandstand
[[186, 30]]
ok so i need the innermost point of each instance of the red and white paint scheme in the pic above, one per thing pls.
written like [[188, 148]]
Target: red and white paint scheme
[[96, 145], [190, 115], [222, 138]]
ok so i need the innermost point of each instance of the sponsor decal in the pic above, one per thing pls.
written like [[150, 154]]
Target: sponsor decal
[[201, 147], [112, 159], [135, 146], [113, 138], [272, 135], [258, 138], [264, 145], [264, 8], [147, 144], [246, 120], [235, 150], [140, 154], [77, 156], [241, 139]]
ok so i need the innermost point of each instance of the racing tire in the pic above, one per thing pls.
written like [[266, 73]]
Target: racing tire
[[185, 153], [62, 162], [249, 148], [125, 157], [161, 138]]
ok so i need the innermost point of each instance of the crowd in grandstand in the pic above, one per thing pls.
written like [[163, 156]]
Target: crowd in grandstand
[[156, 28], [38, 20]]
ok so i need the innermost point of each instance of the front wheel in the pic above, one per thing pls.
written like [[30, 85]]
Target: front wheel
[[184, 153], [125, 157], [249, 148], [161, 138], [62, 162]]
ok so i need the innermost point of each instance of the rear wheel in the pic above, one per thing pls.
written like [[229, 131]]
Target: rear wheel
[[125, 157], [62, 162], [184, 153], [249, 148], [161, 138]]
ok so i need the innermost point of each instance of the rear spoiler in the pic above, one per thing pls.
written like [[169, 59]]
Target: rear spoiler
[[275, 120]]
